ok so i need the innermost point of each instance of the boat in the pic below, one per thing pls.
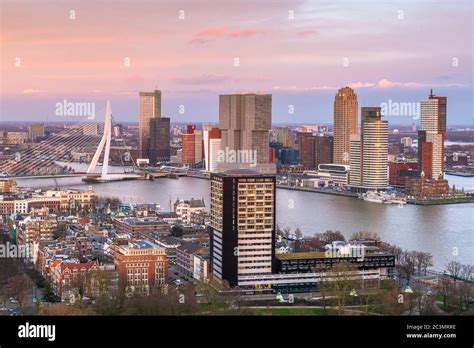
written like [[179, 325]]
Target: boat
[[372, 196], [382, 197]]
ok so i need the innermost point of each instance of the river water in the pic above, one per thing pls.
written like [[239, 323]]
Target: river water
[[446, 231]]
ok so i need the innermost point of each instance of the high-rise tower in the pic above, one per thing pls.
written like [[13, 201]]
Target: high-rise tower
[[345, 123], [150, 107]]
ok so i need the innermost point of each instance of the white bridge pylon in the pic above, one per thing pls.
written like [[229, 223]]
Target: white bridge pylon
[[106, 137]]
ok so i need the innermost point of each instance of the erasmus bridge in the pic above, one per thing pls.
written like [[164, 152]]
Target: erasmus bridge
[[68, 154]]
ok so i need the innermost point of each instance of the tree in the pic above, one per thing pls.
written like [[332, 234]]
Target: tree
[[331, 236], [406, 265], [177, 231], [365, 235], [392, 249], [423, 260], [323, 284], [172, 302], [465, 287], [421, 301], [49, 295], [427, 262], [20, 287], [298, 234], [454, 268], [391, 300], [342, 281]]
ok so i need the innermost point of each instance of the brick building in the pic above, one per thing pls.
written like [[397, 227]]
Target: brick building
[[142, 266], [424, 187]]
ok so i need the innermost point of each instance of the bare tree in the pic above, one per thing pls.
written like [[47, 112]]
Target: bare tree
[[331, 236], [454, 268], [445, 288], [343, 281], [422, 302], [466, 272], [298, 234], [391, 300], [392, 249], [365, 235], [466, 288], [20, 287], [427, 262], [423, 260], [406, 265]]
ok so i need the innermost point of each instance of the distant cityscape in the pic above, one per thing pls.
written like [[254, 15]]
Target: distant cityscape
[[174, 169], [73, 246]]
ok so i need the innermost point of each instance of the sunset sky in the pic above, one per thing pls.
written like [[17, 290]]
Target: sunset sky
[[294, 50]]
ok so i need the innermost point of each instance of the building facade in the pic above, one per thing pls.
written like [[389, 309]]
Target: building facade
[[369, 152], [433, 131], [159, 142], [142, 266], [212, 145], [242, 228], [150, 107], [345, 123], [245, 121]]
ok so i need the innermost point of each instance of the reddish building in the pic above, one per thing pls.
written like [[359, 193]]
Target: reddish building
[[141, 265], [272, 157], [192, 146], [323, 150], [83, 245], [425, 155], [399, 171], [188, 148], [69, 276], [424, 187], [190, 128], [305, 144]]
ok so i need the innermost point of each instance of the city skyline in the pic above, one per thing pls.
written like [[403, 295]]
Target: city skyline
[[196, 61]]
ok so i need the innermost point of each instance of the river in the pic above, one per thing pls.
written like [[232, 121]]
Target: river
[[446, 231]]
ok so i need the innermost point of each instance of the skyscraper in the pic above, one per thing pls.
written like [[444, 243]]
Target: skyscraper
[[345, 123], [374, 133], [35, 130], [245, 121], [323, 150], [192, 146], [159, 145], [369, 152], [305, 142], [212, 145], [355, 160], [283, 136], [150, 107], [433, 130], [242, 228]]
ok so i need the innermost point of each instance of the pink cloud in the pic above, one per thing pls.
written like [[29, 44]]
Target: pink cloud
[[32, 91], [203, 79], [211, 32], [247, 33], [306, 33]]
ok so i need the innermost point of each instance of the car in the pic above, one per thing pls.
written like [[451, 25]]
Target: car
[[12, 300]]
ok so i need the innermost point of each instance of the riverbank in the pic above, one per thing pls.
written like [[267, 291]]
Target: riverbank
[[440, 201]]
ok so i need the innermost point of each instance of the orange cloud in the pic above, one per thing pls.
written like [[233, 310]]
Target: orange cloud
[[247, 33], [306, 33], [211, 32]]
